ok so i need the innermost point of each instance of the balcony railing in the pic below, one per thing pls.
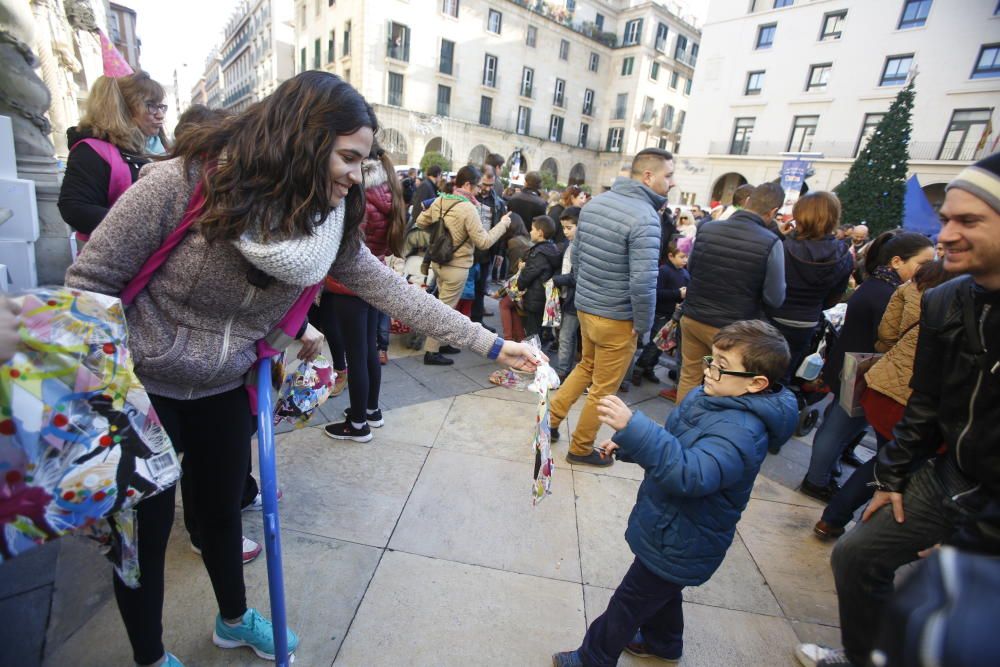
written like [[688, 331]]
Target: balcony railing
[[918, 150]]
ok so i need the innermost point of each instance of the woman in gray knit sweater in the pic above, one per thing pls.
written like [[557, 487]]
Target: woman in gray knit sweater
[[282, 203]]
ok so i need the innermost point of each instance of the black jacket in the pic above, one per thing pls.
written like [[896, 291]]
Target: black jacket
[[956, 388], [426, 190], [542, 262], [728, 268], [566, 282], [816, 275], [865, 309], [498, 209], [669, 282], [528, 204], [83, 198]]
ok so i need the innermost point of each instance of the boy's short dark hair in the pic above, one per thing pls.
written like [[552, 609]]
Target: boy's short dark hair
[[434, 170], [672, 248], [762, 347], [545, 224], [570, 213]]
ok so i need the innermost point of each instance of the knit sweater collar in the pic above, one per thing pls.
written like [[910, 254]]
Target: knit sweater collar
[[302, 261]]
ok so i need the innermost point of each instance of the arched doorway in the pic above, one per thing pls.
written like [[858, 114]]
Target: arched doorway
[[477, 155], [550, 165], [725, 185], [935, 194], [439, 145], [577, 175], [394, 143]]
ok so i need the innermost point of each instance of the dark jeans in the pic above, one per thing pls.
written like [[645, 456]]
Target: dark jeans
[[478, 303], [865, 560], [835, 433], [214, 433], [798, 340], [383, 331], [643, 602], [325, 319], [650, 353], [357, 324], [532, 322]]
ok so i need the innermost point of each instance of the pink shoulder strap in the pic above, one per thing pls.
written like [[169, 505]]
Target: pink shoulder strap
[[156, 260], [121, 175]]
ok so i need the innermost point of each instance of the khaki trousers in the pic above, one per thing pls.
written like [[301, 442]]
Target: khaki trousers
[[608, 347], [450, 283], [696, 342]]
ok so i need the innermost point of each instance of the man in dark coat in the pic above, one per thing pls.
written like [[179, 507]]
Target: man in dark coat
[[528, 203]]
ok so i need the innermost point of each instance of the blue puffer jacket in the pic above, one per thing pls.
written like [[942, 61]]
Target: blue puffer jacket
[[615, 254], [700, 469]]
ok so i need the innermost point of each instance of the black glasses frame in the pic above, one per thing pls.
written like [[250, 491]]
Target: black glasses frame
[[716, 373]]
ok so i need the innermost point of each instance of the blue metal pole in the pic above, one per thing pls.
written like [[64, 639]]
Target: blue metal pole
[[272, 526]]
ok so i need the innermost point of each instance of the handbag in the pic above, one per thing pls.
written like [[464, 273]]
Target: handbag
[[552, 315], [852, 380]]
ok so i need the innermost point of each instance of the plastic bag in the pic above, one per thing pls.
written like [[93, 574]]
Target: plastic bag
[[303, 390], [852, 380], [79, 439], [666, 337], [552, 315]]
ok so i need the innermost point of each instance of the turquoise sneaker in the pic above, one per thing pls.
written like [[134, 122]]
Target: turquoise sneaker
[[255, 632], [172, 661]]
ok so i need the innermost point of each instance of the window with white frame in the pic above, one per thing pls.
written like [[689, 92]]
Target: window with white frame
[[559, 93], [527, 81], [803, 131], [485, 110], [615, 135], [523, 120], [398, 46], [395, 96], [964, 133], [868, 126], [654, 71], [648, 112], [494, 22], [621, 105], [446, 64], [588, 102], [633, 32], [555, 128], [531, 36], [661, 37], [564, 49], [490, 71], [742, 132], [595, 61], [581, 139], [667, 118], [450, 7], [444, 100], [627, 65]]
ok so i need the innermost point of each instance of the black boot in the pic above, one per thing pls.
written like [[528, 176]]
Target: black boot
[[437, 359]]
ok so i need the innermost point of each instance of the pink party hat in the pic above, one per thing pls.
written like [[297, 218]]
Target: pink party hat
[[115, 64]]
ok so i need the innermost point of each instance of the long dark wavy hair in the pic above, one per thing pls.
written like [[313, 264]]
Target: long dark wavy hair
[[268, 168]]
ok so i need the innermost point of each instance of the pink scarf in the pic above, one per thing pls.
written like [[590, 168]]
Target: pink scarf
[[462, 192]]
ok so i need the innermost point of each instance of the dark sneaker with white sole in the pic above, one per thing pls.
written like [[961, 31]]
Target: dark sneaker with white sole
[[640, 649], [345, 431], [592, 459], [374, 418]]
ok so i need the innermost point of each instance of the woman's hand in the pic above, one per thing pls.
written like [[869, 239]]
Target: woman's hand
[[520, 356], [312, 343]]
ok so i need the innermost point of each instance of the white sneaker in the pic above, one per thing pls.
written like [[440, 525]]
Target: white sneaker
[[814, 655], [250, 550], [258, 503]]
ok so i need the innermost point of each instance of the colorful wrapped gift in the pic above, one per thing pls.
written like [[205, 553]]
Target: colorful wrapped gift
[[303, 390], [79, 440]]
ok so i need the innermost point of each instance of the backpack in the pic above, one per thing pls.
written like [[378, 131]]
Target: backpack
[[280, 337], [121, 175], [442, 247]]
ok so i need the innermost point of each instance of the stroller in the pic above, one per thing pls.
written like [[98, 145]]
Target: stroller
[[808, 385]]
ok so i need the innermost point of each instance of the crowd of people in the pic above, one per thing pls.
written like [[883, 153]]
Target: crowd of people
[[296, 193]]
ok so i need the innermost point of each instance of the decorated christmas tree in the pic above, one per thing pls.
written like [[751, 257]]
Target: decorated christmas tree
[[873, 190]]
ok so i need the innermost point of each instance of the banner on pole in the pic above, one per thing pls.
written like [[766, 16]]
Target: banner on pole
[[793, 175]]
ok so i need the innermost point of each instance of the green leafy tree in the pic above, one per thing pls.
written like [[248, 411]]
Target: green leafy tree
[[876, 183], [433, 157], [548, 180]]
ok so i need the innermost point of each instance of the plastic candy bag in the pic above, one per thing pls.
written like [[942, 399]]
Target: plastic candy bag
[[79, 439], [303, 390]]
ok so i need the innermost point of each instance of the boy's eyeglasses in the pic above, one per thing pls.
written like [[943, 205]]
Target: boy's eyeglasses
[[716, 373], [153, 108]]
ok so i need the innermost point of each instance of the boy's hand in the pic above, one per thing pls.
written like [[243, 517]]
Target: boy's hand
[[607, 448], [612, 411]]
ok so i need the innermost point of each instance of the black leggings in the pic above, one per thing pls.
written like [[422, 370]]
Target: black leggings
[[355, 322], [214, 434]]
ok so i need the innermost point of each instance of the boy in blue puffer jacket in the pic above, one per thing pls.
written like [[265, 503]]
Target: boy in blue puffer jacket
[[700, 468]]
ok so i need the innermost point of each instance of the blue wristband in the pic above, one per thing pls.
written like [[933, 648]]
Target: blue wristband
[[495, 350]]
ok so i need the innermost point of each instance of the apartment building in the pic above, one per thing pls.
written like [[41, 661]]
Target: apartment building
[[815, 76], [121, 26], [254, 58], [573, 88]]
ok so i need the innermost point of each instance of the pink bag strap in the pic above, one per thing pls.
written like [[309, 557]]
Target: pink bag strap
[[121, 175], [156, 260]]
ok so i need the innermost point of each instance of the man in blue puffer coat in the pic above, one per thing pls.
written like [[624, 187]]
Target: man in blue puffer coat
[[700, 468]]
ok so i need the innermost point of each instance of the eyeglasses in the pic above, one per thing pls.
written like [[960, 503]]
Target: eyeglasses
[[154, 108], [716, 373]]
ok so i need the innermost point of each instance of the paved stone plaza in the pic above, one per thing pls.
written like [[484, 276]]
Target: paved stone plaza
[[422, 548]]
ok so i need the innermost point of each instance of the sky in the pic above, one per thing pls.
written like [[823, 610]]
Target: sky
[[178, 34]]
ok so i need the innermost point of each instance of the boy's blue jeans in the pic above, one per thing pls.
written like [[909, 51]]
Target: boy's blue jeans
[[643, 602]]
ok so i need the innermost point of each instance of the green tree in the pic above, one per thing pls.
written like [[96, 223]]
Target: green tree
[[876, 183], [433, 157], [548, 180]]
